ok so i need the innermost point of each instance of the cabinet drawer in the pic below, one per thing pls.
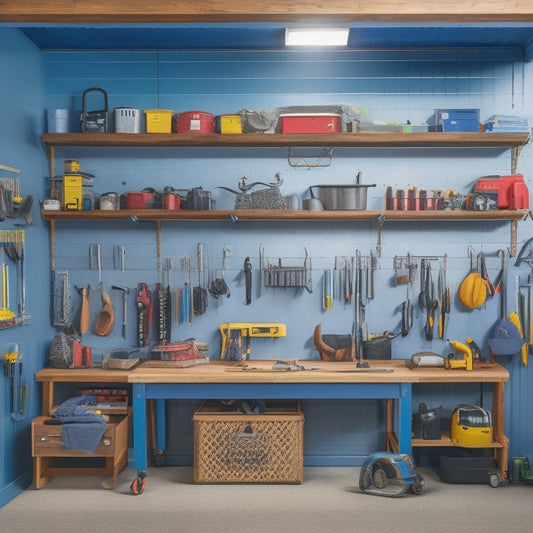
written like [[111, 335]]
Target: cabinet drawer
[[47, 442]]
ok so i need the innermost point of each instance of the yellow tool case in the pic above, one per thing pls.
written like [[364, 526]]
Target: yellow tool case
[[471, 427], [72, 192]]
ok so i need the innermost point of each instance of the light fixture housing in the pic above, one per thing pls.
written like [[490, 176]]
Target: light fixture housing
[[316, 36]]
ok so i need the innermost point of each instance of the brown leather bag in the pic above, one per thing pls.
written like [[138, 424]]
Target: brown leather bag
[[334, 347]]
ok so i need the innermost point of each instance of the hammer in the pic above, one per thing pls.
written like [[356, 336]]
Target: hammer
[[125, 292]]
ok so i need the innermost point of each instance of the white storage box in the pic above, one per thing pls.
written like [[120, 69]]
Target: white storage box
[[127, 120]]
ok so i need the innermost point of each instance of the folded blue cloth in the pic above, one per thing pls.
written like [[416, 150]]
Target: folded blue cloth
[[82, 429]]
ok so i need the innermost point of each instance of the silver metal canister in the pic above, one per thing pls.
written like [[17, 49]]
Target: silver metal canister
[[109, 201]]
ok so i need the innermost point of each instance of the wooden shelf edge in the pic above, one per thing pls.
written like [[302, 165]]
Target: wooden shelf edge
[[284, 215], [362, 139]]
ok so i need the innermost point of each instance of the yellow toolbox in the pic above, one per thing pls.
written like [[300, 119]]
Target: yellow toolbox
[[72, 192], [158, 120], [228, 124]]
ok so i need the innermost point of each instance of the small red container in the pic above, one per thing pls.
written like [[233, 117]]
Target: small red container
[[138, 200], [171, 201], [309, 123], [195, 122]]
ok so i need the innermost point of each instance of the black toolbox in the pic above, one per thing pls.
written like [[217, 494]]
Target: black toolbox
[[466, 468]]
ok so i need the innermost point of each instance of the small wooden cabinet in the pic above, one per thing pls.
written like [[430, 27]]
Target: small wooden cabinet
[[51, 459]]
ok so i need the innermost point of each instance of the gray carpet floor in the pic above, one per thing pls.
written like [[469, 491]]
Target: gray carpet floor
[[329, 500]]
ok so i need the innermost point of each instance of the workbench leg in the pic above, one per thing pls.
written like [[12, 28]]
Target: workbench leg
[[40, 476], [160, 431], [139, 436], [47, 397], [404, 419], [501, 454]]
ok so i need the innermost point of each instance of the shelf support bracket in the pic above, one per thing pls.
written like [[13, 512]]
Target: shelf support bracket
[[380, 221], [52, 244], [515, 153], [301, 159], [514, 227], [158, 222], [51, 158]]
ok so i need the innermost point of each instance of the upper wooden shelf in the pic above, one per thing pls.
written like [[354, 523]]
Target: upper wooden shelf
[[282, 214], [364, 139]]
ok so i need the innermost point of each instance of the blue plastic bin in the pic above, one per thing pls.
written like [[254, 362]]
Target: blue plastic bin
[[455, 120]]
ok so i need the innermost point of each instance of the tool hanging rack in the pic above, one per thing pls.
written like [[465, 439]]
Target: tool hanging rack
[[278, 275], [13, 244]]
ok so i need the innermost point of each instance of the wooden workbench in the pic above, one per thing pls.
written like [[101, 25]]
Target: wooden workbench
[[226, 380], [320, 372]]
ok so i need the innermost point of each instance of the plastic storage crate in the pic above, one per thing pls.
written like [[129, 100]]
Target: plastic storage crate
[[455, 120], [232, 447]]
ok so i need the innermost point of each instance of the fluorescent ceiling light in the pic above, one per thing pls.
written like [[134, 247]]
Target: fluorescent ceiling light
[[316, 36]]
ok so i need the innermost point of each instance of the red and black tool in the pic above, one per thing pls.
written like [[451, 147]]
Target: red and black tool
[[144, 310]]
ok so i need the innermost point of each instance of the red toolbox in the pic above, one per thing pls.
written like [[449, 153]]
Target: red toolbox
[[511, 191], [309, 123], [139, 200], [195, 122]]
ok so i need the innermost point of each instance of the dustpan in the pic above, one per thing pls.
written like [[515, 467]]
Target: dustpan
[[105, 319]]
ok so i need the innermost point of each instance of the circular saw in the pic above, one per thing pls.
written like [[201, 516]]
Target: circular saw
[[390, 474]]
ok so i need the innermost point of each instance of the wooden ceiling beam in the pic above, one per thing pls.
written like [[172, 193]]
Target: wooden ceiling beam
[[188, 11]]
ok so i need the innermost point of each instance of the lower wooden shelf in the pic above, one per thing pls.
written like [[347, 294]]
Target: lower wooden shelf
[[445, 440], [50, 459]]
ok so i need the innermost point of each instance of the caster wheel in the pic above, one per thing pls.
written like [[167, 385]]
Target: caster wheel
[[159, 460], [138, 484], [495, 480]]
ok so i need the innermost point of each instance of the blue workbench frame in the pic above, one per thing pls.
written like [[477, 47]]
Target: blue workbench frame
[[402, 392]]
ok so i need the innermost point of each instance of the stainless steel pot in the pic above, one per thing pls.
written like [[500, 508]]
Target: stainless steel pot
[[341, 197]]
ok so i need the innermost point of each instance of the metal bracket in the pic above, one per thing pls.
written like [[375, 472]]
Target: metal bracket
[[301, 159]]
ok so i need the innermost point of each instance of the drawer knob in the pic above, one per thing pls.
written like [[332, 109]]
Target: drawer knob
[[107, 442], [43, 439]]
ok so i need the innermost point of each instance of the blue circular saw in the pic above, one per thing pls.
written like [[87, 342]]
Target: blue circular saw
[[390, 474]]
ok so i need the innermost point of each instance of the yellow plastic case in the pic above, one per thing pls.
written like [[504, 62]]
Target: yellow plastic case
[[228, 124], [471, 427], [72, 192], [158, 120]]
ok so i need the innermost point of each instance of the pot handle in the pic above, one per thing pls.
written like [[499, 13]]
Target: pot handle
[[312, 192]]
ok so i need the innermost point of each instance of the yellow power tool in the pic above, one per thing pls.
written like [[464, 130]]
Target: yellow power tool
[[462, 358], [232, 333]]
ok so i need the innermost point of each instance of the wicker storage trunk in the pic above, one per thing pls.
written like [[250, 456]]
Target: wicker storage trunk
[[232, 447]]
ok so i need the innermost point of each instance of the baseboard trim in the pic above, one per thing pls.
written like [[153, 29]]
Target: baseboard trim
[[15, 488]]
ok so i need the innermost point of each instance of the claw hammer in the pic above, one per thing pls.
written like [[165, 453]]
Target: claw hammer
[[125, 292]]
